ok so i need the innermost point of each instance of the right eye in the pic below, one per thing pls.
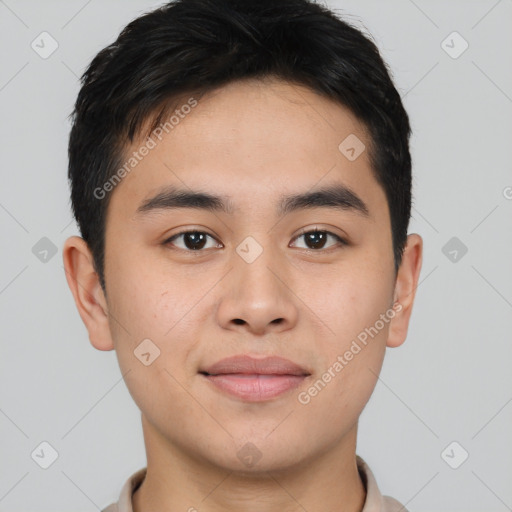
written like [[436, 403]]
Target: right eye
[[193, 240]]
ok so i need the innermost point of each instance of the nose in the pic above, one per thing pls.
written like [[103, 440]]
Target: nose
[[257, 296]]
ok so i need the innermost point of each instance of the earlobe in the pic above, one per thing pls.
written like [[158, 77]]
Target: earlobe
[[405, 289], [85, 286]]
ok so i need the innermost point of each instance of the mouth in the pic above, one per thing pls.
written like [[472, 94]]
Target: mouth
[[254, 379]]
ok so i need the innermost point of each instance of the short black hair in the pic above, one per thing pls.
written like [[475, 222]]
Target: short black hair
[[191, 47]]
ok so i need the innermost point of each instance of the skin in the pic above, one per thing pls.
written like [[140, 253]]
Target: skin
[[252, 141]]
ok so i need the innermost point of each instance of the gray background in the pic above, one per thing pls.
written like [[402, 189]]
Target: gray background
[[450, 381]]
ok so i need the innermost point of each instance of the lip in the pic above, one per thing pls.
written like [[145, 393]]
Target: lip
[[271, 365], [255, 379]]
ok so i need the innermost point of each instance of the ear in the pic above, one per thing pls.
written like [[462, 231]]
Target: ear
[[85, 286], [405, 289]]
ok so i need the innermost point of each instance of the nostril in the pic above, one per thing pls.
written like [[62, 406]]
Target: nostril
[[239, 321]]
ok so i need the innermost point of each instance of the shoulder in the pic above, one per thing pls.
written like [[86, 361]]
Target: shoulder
[[389, 504], [124, 503], [111, 508]]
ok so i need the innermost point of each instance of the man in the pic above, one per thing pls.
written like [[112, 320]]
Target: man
[[241, 176]]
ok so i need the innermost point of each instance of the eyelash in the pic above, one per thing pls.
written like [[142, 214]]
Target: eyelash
[[340, 240]]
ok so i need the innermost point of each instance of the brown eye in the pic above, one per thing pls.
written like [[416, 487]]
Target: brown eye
[[317, 239], [191, 240]]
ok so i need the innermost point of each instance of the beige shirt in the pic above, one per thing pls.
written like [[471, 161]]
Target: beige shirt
[[375, 501]]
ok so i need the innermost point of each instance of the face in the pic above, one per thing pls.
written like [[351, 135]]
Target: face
[[252, 278]]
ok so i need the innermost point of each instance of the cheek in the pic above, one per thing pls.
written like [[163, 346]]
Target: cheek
[[150, 301], [354, 349], [147, 303], [352, 302], [351, 363], [153, 335]]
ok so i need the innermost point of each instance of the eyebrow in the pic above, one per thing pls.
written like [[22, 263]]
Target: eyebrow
[[335, 196]]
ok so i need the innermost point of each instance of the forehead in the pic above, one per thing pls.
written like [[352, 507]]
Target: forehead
[[284, 120], [250, 141]]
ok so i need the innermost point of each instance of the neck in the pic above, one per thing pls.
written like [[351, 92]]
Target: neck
[[176, 481]]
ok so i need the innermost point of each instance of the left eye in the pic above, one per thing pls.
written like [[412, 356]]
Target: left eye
[[318, 238]]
